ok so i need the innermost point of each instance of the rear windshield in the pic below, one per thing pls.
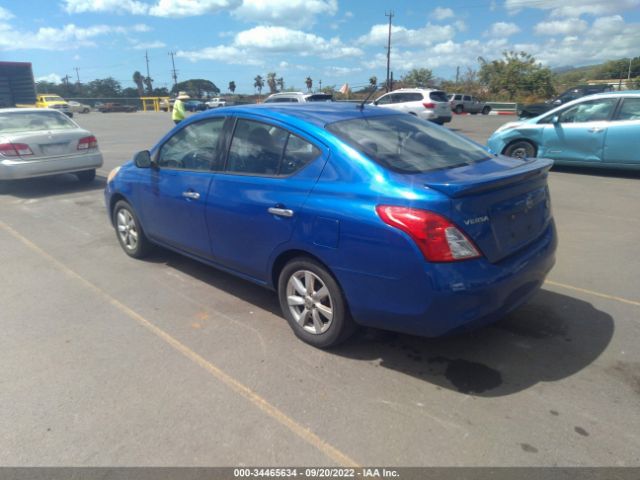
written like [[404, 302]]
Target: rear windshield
[[34, 121], [319, 97], [406, 144], [438, 97]]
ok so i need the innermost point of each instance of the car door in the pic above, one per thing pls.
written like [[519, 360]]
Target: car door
[[466, 101], [255, 204], [622, 144], [173, 198], [579, 133]]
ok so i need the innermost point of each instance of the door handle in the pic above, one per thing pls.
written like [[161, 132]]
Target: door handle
[[191, 195], [281, 212], [596, 129]]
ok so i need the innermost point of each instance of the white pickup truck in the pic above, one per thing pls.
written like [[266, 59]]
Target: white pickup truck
[[216, 102]]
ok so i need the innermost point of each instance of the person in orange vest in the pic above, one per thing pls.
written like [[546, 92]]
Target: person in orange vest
[[178, 113]]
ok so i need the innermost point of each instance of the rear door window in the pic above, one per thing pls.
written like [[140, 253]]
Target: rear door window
[[467, 98], [438, 96], [406, 144], [630, 109]]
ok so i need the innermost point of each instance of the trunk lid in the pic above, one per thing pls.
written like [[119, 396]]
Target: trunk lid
[[50, 144], [502, 204]]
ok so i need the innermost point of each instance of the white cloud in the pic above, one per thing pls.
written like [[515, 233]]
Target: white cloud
[[281, 39], [190, 8], [442, 13], [116, 6], [573, 8], [148, 45], [68, 37], [289, 13], [5, 14], [222, 53], [407, 37], [460, 25], [569, 26], [502, 29], [163, 8], [51, 78], [341, 71]]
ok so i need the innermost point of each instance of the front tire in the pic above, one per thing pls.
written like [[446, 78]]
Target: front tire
[[486, 110], [129, 232], [313, 303], [520, 149]]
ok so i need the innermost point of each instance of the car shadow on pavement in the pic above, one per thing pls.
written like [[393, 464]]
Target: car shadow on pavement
[[552, 337], [42, 187], [599, 172]]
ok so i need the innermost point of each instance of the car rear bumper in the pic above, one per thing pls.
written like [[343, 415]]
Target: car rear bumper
[[17, 169], [452, 297]]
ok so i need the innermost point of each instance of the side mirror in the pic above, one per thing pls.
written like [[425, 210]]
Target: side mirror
[[142, 159], [375, 102], [557, 102], [555, 119]]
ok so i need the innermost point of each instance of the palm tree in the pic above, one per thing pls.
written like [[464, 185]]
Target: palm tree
[[271, 81], [148, 81], [139, 81], [373, 80], [258, 83], [280, 83], [232, 86], [309, 83]]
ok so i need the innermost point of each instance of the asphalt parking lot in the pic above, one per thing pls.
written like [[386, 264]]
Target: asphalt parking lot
[[105, 360]]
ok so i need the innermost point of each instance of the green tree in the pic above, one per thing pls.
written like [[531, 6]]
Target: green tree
[[104, 88], [258, 83], [516, 76], [309, 83], [197, 87], [280, 83], [232, 86], [138, 79], [418, 77], [373, 80], [271, 82], [148, 81]]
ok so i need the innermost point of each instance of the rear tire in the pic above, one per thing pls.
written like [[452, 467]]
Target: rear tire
[[458, 109], [520, 149], [129, 232], [86, 176], [313, 303]]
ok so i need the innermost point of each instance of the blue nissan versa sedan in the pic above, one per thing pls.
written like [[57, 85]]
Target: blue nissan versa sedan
[[601, 130], [355, 216]]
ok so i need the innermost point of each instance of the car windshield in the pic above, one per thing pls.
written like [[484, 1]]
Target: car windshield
[[34, 121], [407, 144], [438, 96]]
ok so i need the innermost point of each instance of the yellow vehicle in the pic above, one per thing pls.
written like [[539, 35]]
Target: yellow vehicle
[[51, 100]]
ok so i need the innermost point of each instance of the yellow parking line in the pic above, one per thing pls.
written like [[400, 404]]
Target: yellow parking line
[[596, 294], [278, 415]]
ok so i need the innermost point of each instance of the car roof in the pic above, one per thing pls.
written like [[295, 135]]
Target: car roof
[[319, 114], [36, 110]]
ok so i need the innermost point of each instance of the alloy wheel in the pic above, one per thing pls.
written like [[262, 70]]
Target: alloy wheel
[[309, 302]]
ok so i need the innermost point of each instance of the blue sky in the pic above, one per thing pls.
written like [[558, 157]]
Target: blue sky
[[335, 41]]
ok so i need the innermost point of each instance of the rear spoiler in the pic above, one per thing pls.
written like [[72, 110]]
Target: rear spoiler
[[536, 167]]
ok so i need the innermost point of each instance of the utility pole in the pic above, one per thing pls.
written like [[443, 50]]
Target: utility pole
[[629, 74], [66, 82], [174, 73], [320, 83], [388, 85], [457, 74], [146, 57], [77, 74]]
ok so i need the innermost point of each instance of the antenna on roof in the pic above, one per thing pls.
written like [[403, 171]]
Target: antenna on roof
[[374, 87]]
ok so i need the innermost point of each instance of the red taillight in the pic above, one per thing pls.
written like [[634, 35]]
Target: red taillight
[[15, 149], [439, 240], [429, 105], [87, 142]]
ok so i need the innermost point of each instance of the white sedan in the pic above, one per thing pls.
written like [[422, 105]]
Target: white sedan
[[35, 142]]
